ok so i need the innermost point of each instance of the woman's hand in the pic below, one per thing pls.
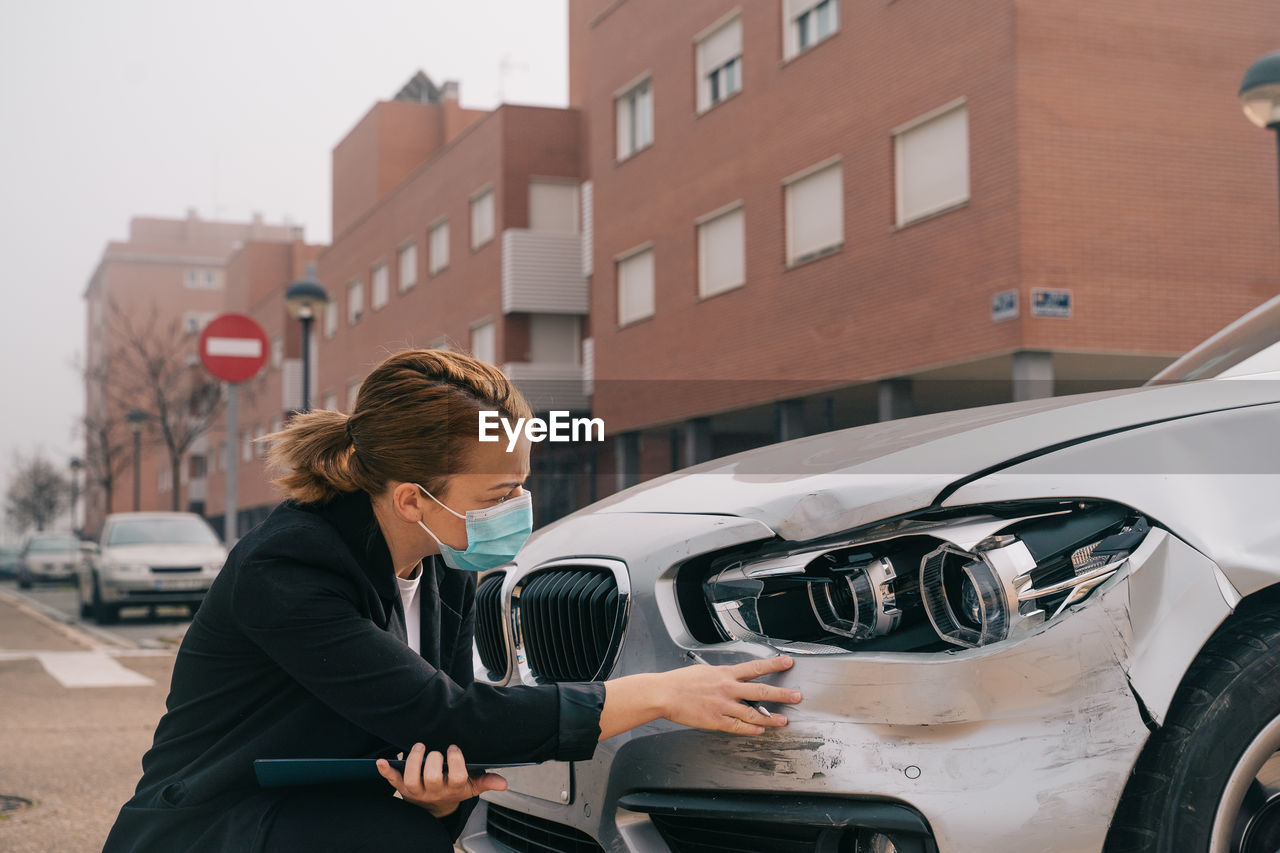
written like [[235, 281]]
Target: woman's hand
[[724, 698], [425, 783], [702, 697]]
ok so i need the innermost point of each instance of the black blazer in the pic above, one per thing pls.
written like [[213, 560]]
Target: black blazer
[[299, 652]]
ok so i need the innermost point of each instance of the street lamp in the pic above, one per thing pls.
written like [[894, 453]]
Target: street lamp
[[305, 300], [76, 465], [1260, 92], [136, 418]]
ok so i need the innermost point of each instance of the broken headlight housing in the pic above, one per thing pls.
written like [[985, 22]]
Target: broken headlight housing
[[925, 583]]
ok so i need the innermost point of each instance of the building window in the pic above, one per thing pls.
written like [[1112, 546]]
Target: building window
[[931, 159], [635, 286], [635, 119], [721, 252], [246, 446], [439, 248], [259, 446], [277, 352], [440, 343], [202, 279], [193, 322], [815, 213], [380, 285], [553, 206], [330, 402], [554, 339], [482, 343], [808, 22], [720, 64], [353, 393], [331, 318], [481, 219], [355, 302], [407, 263]]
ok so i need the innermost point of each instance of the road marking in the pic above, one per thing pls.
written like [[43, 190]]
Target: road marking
[[90, 669]]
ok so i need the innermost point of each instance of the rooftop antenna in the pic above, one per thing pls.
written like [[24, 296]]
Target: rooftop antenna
[[505, 67]]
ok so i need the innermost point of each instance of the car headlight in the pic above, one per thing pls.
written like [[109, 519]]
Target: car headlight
[[921, 584]]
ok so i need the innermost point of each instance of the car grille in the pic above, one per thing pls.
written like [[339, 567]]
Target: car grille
[[703, 835], [523, 833], [489, 636], [172, 569], [571, 620]]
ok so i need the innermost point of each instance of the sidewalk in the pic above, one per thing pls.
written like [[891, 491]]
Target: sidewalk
[[71, 747]]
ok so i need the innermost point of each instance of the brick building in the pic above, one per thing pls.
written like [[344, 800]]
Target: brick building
[[167, 271], [811, 214], [460, 229]]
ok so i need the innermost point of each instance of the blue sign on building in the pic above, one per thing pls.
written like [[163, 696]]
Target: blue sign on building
[[1046, 302]]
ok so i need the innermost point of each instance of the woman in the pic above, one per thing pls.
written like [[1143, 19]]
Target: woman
[[342, 627]]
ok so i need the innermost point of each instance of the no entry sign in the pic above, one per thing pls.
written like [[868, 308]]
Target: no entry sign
[[233, 347]]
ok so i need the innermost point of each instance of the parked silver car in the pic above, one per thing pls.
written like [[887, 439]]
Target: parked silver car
[[48, 557], [1041, 626], [149, 558]]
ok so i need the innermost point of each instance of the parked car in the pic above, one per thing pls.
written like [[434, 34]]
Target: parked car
[[1051, 625], [48, 557], [149, 558], [9, 560]]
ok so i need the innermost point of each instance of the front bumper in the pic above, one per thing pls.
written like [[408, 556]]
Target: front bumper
[[1017, 746], [177, 588]]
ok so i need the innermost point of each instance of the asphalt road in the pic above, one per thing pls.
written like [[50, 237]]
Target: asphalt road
[[138, 627]]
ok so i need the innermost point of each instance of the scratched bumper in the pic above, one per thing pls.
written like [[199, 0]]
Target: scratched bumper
[[1018, 746]]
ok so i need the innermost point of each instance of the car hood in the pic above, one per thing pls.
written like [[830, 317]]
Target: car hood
[[165, 555], [828, 483]]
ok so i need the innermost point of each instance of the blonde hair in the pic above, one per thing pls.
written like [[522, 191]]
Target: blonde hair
[[416, 419]]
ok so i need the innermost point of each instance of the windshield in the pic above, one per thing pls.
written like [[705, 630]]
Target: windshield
[[1248, 346], [161, 531], [61, 543]]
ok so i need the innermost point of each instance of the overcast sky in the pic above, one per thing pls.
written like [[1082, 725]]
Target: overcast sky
[[150, 107]]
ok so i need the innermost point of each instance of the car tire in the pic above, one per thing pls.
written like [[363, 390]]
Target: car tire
[[24, 581], [1197, 785], [103, 613], [86, 610]]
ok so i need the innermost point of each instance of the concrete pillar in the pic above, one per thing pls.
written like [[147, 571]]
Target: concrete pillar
[[627, 456], [697, 440], [788, 420], [1032, 375], [895, 400]]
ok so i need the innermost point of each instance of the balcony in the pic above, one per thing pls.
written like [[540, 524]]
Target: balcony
[[550, 386], [542, 272]]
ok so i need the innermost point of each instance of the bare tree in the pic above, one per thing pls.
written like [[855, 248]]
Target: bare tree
[[38, 494], [106, 453], [152, 365]]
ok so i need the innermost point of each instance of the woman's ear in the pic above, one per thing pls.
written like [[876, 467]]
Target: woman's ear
[[408, 500]]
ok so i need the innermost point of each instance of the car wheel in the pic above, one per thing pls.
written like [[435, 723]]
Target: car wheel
[[24, 581], [1209, 778], [86, 608], [103, 613]]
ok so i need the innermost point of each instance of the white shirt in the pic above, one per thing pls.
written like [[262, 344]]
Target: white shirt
[[412, 607]]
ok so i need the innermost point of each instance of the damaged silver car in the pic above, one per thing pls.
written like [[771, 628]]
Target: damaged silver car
[[1040, 626]]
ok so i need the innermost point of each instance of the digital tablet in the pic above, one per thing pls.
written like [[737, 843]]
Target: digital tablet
[[286, 772]]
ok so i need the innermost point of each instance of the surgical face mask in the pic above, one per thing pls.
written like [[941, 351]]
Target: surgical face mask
[[494, 534]]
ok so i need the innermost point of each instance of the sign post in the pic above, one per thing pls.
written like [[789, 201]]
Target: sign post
[[233, 348]]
